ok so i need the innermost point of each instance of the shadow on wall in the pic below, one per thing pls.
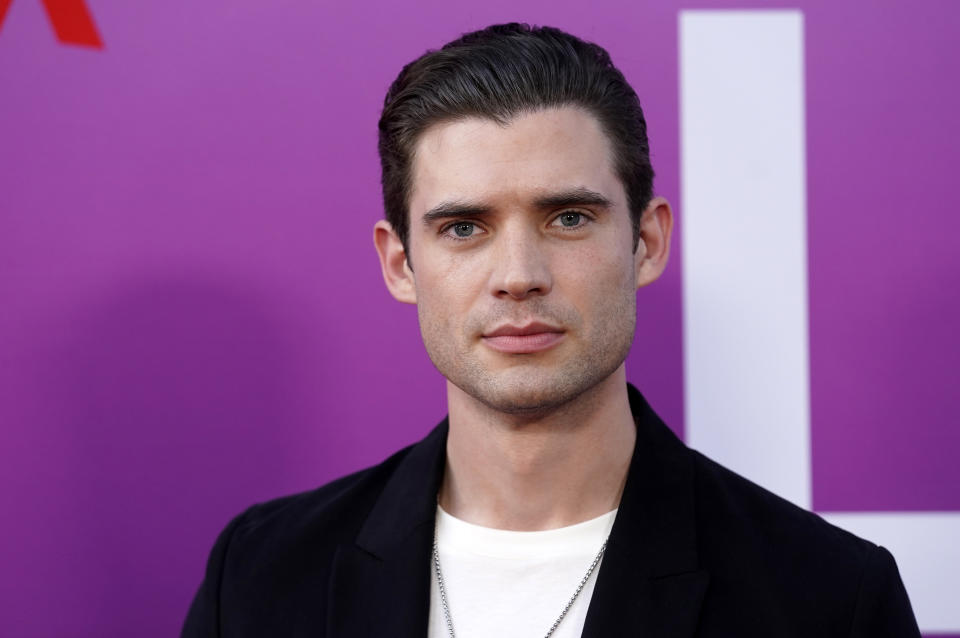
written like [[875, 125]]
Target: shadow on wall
[[169, 412]]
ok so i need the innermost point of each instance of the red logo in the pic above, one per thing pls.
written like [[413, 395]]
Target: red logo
[[70, 19]]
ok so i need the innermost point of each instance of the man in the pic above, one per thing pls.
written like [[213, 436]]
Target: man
[[521, 221]]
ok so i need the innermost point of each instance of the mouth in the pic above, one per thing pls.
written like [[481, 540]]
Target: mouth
[[527, 339]]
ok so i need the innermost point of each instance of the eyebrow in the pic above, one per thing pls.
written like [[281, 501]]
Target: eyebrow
[[570, 197]]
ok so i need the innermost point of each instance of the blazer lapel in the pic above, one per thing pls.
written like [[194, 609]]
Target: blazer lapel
[[380, 585], [649, 583]]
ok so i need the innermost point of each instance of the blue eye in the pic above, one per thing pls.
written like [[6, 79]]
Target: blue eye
[[464, 229], [571, 220]]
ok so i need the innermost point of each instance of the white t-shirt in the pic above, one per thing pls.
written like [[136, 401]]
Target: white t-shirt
[[505, 584]]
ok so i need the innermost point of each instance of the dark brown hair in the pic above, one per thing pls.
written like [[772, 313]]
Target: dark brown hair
[[497, 73]]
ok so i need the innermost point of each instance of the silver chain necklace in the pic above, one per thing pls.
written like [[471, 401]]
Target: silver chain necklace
[[556, 623]]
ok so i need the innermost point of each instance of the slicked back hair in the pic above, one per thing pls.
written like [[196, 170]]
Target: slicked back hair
[[498, 73]]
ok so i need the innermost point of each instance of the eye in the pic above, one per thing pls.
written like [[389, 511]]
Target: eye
[[570, 219], [460, 230]]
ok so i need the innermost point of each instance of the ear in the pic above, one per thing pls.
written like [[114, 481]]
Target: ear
[[653, 249], [393, 261]]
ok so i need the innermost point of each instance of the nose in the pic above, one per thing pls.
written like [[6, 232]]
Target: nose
[[521, 266]]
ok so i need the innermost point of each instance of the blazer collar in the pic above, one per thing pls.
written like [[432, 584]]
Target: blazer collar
[[649, 582], [409, 499], [380, 585]]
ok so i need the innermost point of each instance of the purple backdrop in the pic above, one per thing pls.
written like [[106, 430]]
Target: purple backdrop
[[191, 311]]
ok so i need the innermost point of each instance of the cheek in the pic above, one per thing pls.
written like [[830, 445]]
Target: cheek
[[447, 290], [596, 272]]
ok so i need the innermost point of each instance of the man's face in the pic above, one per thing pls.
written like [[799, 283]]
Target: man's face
[[521, 249]]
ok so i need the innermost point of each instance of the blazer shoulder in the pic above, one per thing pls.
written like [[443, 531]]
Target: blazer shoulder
[[271, 562], [337, 508], [777, 555], [723, 496]]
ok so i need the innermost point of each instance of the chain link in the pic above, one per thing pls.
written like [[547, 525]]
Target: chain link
[[553, 628]]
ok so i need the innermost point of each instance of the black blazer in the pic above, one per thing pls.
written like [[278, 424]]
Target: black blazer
[[695, 550]]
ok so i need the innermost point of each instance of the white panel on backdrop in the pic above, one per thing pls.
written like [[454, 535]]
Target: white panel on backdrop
[[746, 366], [744, 244]]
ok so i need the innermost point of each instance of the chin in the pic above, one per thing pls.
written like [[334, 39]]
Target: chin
[[526, 394]]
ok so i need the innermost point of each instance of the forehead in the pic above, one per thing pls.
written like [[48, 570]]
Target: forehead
[[476, 158]]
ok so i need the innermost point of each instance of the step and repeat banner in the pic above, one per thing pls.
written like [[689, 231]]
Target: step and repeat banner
[[192, 316]]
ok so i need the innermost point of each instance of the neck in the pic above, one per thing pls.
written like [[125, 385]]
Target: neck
[[523, 473]]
